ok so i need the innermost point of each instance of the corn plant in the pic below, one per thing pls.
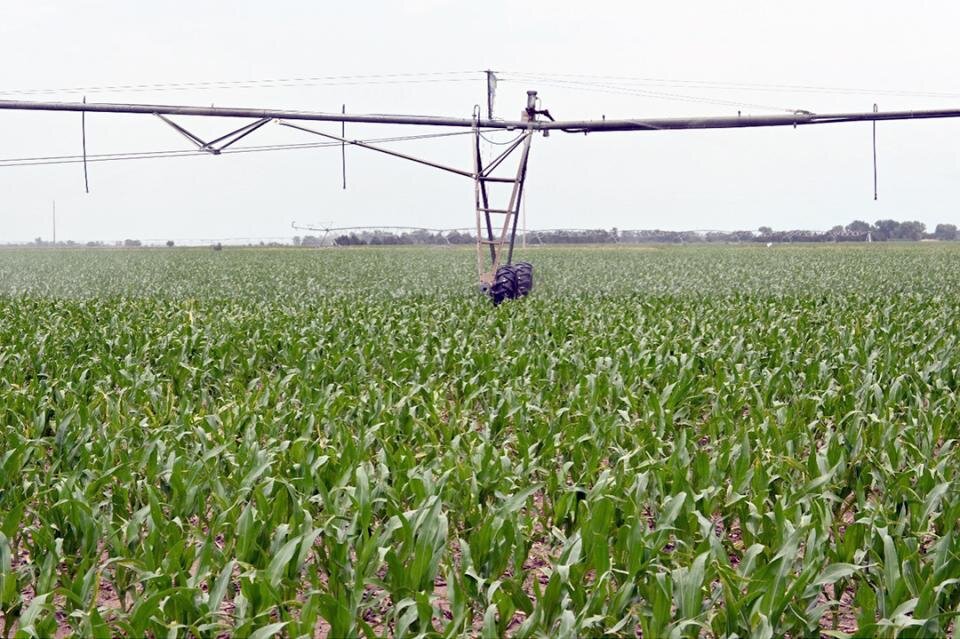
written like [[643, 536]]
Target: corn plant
[[678, 442]]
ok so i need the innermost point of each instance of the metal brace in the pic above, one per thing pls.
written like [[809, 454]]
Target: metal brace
[[223, 141]]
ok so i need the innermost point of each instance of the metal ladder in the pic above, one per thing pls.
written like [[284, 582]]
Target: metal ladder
[[497, 227]]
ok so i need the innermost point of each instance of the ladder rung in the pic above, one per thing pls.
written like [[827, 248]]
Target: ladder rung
[[482, 241], [504, 211], [490, 178]]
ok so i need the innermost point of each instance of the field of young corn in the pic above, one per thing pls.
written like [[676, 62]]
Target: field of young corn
[[669, 442]]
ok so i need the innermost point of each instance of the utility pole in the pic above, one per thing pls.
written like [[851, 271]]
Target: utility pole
[[54, 223]]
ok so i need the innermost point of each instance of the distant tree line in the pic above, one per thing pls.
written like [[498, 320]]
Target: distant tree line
[[856, 231], [860, 231], [386, 238]]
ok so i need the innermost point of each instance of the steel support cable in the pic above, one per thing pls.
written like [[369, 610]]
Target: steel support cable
[[438, 77], [625, 85], [619, 90], [365, 145], [265, 147], [146, 155], [747, 86], [334, 80]]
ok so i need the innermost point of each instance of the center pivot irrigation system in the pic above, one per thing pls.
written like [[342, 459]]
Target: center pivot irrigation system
[[496, 226]]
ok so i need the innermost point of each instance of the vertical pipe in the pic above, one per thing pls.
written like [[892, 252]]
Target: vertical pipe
[[491, 88], [513, 233], [485, 200], [476, 201], [874, 155], [343, 149], [517, 197], [83, 133], [524, 204]]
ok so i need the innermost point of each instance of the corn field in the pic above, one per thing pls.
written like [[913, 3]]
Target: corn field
[[671, 442]]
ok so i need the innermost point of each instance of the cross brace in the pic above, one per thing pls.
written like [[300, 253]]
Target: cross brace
[[214, 147]]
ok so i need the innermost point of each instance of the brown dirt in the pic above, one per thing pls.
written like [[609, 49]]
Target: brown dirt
[[845, 612]]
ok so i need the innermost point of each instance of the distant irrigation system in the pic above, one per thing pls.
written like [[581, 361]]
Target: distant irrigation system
[[495, 230]]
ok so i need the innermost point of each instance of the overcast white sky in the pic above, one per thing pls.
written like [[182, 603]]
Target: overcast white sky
[[810, 177]]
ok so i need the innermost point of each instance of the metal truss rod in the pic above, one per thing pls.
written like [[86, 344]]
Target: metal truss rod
[[182, 131], [364, 145], [491, 167], [235, 136], [227, 139], [575, 126]]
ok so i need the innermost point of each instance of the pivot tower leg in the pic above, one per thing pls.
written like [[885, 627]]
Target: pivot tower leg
[[497, 226]]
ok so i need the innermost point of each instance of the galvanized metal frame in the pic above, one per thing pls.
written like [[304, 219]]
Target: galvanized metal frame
[[481, 175], [495, 243], [506, 236]]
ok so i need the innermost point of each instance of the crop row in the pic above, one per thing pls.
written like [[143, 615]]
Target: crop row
[[672, 442]]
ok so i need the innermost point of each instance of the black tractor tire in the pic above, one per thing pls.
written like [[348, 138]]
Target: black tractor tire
[[524, 278], [504, 285]]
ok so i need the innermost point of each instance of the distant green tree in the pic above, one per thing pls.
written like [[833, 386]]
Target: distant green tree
[[912, 230], [886, 230], [945, 232], [858, 226]]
